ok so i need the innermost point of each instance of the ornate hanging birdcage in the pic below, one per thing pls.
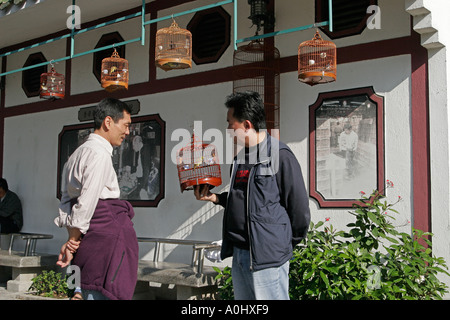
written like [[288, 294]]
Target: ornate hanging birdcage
[[53, 85], [257, 68], [115, 73], [197, 164], [317, 61], [173, 48]]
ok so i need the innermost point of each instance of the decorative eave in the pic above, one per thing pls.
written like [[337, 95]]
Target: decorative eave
[[8, 7], [422, 24]]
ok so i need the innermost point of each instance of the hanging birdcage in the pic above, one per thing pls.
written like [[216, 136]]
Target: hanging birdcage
[[53, 85], [173, 48], [115, 73], [317, 61], [257, 68], [197, 164]]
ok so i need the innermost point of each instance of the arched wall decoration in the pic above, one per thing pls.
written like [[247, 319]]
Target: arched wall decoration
[[346, 146]]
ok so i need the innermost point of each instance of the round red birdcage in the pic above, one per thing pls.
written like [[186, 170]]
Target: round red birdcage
[[53, 85], [197, 164], [317, 61], [115, 73]]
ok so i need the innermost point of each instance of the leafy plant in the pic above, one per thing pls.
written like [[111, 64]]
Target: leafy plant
[[225, 289], [50, 284], [369, 261], [372, 260]]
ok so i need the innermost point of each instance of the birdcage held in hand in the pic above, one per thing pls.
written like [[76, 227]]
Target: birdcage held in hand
[[173, 48], [317, 61], [197, 164], [115, 73], [53, 85]]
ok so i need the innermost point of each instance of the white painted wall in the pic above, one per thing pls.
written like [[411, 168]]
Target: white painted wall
[[31, 141], [439, 75]]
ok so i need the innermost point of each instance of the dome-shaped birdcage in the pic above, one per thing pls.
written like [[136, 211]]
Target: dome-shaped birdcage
[[257, 68], [173, 49], [198, 163], [115, 73], [317, 61], [53, 85]]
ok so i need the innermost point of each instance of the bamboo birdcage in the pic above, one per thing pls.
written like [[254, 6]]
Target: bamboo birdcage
[[317, 61], [53, 85], [173, 49], [115, 73], [197, 164], [257, 68]]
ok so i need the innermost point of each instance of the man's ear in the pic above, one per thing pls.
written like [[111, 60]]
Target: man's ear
[[248, 125], [107, 122]]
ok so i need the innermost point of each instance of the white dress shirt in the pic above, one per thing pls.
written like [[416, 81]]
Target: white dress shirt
[[348, 141], [87, 176]]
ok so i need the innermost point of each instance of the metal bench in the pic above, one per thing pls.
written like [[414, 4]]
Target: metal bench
[[30, 238], [198, 249], [191, 280]]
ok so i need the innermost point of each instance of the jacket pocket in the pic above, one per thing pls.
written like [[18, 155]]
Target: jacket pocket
[[265, 192], [271, 241]]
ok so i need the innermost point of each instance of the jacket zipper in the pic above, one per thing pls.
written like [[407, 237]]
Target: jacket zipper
[[248, 214], [118, 267]]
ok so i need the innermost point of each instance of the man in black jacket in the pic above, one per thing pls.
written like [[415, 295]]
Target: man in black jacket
[[11, 219], [266, 209]]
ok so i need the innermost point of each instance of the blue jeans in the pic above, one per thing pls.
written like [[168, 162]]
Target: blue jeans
[[266, 284], [93, 295]]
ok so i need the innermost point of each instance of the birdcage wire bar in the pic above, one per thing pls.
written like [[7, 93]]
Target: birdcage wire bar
[[173, 49], [53, 85], [257, 68], [115, 73], [198, 163], [317, 61]]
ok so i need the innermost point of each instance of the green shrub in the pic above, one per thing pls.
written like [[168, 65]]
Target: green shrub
[[225, 283], [50, 284], [370, 261]]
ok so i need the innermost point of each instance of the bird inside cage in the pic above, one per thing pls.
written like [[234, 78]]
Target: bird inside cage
[[173, 48], [115, 73], [317, 61], [197, 164], [52, 85]]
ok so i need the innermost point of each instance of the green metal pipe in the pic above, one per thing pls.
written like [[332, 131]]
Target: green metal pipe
[[268, 35], [330, 15], [235, 12], [70, 57], [142, 23], [189, 11], [72, 34]]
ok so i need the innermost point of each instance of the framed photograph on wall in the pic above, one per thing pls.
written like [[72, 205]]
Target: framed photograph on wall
[[138, 161], [346, 146]]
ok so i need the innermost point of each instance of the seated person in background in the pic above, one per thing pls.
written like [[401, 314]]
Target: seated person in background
[[11, 219]]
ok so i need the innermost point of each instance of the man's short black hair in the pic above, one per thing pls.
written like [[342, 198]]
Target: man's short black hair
[[4, 184], [111, 107], [249, 106]]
